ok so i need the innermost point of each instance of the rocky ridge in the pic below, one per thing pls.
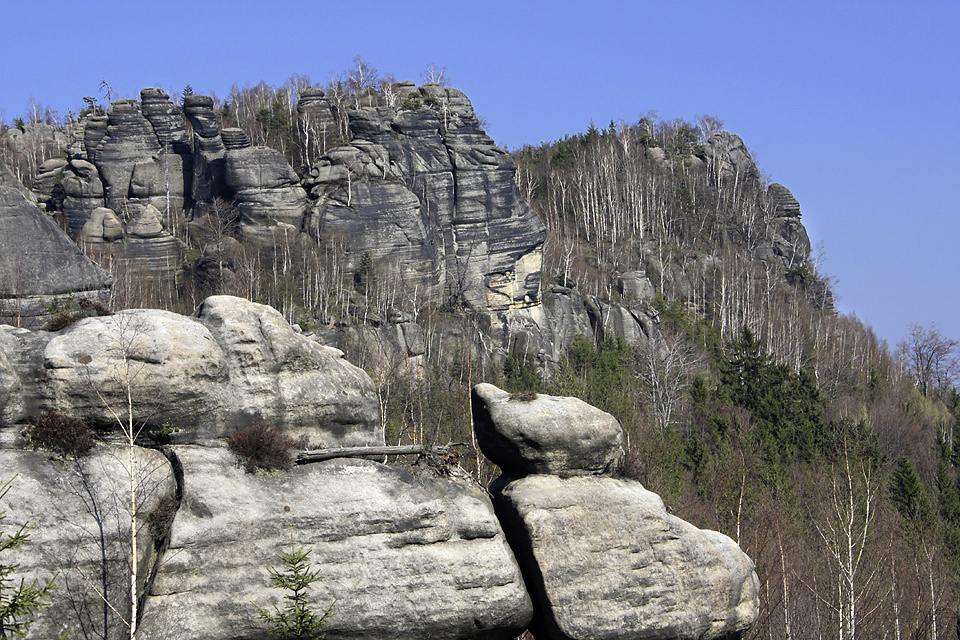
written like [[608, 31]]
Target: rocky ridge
[[403, 552]]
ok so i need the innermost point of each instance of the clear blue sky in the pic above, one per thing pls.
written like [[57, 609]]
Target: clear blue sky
[[852, 105]]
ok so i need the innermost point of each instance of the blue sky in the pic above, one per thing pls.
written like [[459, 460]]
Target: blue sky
[[852, 105]]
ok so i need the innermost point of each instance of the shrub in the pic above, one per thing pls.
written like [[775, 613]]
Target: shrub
[[61, 434], [71, 310], [162, 517], [262, 446], [631, 466]]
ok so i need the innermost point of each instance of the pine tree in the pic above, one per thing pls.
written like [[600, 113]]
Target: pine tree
[[908, 493], [297, 620]]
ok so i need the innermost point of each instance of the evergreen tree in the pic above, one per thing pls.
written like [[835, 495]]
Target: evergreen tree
[[19, 601], [297, 620], [908, 493]]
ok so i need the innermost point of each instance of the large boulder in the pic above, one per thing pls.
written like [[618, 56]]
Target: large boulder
[[233, 364], [79, 512], [544, 434], [401, 554], [266, 190], [605, 561]]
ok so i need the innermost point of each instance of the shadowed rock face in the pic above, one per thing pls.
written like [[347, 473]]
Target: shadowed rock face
[[39, 263], [604, 561]]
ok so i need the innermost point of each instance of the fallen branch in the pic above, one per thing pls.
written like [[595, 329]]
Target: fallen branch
[[318, 455]]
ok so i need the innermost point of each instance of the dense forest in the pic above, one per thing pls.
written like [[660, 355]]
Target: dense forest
[[755, 408]]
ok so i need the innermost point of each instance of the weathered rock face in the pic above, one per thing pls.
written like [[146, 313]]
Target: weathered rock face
[[401, 554], [545, 434], [469, 234], [129, 139], [9, 179], [236, 363], [790, 244], [266, 190], [45, 265], [729, 155], [82, 194], [207, 182], [81, 524], [605, 561]]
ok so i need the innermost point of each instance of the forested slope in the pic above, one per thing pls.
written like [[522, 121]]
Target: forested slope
[[753, 406]]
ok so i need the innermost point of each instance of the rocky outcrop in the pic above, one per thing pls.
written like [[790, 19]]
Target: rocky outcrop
[[79, 512], [233, 364], [605, 561], [789, 243], [544, 434], [83, 193], [129, 139], [208, 150], [400, 553], [601, 556], [454, 223], [45, 267], [265, 189]]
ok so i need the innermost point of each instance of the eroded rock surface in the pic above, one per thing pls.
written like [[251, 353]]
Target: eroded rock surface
[[544, 434], [81, 523], [236, 363], [401, 554], [40, 264], [605, 561]]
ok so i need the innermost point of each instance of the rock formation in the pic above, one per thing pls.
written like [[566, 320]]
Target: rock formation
[[423, 189], [544, 434], [39, 265], [264, 187], [601, 556], [79, 510], [402, 551], [233, 364]]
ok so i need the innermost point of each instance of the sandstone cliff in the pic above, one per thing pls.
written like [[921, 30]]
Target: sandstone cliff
[[402, 551]]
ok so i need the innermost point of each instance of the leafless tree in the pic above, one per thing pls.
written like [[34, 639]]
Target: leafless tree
[[930, 357], [665, 364], [435, 74]]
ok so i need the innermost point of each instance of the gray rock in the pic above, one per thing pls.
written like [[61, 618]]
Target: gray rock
[[635, 286], [9, 179], [83, 193], [94, 129], [103, 226], [129, 139], [49, 175], [482, 241], [546, 434], [266, 189], [604, 561], [283, 376], [728, 156], [70, 505], [208, 150], [166, 119], [46, 264], [236, 363], [401, 554]]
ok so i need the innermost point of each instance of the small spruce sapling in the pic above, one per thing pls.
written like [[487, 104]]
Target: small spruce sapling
[[297, 620], [19, 601]]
